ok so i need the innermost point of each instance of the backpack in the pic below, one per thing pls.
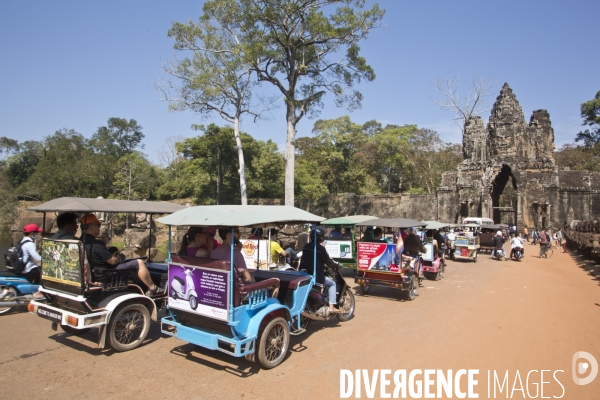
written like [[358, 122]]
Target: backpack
[[14, 258]]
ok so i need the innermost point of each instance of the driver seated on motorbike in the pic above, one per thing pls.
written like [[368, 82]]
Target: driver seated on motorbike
[[497, 243], [100, 257], [413, 246], [322, 259], [516, 242]]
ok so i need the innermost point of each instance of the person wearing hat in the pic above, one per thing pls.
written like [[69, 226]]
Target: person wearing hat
[[31, 272], [99, 256]]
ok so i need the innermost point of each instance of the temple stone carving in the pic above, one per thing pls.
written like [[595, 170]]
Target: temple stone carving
[[509, 174]]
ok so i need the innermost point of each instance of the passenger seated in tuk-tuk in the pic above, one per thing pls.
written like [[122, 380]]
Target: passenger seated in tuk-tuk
[[347, 233], [99, 256], [336, 231], [378, 236], [67, 226], [223, 252], [276, 250], [368, 235], [196, 243]]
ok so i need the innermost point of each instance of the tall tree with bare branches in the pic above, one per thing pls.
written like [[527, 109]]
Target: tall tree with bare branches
[[464, 100]]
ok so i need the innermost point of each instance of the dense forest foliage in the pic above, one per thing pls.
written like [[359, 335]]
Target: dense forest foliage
[[339, 157]]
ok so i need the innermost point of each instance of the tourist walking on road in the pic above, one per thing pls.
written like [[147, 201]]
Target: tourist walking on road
[[525, 234]]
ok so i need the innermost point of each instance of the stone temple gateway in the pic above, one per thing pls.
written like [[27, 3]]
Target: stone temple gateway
[[509, 174]]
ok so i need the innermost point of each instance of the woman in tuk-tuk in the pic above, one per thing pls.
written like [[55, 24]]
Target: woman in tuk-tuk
[[196, 243]]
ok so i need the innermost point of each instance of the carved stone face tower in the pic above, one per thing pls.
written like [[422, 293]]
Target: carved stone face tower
[[508, 172]]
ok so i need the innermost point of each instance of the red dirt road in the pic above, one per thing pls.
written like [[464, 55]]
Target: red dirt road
[[490, 315]]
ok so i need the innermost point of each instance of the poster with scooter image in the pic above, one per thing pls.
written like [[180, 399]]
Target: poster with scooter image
[[199, 290]]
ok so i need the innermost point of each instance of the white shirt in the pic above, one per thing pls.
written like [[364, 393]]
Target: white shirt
[[29, 253], [451, 236], [516, 242]]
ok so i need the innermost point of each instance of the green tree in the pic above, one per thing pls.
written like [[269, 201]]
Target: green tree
[[590, 112], [119, 138], [67, 168], [23, 164], [135, 178], [8, 147], [308, 180], [218, 78], [304, 53]]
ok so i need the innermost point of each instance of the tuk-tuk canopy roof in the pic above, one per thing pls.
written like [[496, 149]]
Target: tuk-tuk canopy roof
[[435, 225], [348, 220], [401, 223], [85, 205], [236, 215]]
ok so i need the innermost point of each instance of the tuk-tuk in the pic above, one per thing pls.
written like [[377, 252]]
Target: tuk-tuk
[[341, 246], [486, 235], [236, 318], [79, 297], [467, 245], [383, 264], [434, 267]]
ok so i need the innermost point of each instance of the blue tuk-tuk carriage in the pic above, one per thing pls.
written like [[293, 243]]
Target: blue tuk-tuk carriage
[[238, 319], [342, 247], [79, 297]]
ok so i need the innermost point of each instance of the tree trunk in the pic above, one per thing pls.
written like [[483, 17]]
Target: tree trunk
[[219, 179], [242, 170], [289, 155]]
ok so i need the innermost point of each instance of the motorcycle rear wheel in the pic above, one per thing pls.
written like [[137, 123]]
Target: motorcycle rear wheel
[[347, 304], [10, 295], [412, 290]]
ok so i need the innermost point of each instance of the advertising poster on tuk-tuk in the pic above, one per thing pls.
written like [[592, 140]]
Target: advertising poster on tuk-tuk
[[60, 261], [339, 249], [199, 290], [377, 257], [251, 250]]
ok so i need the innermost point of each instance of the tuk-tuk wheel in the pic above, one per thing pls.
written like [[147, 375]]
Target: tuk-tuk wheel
[[273, 343], [74, 331], [128, 327], [364, 289], [412, 290]]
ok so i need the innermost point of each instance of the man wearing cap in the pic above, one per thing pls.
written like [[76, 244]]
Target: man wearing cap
[[32, 269], [99, 256]]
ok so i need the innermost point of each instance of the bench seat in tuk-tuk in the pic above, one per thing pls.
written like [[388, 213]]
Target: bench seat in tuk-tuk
[[288, 282]]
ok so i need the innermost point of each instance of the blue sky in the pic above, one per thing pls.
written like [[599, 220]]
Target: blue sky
[[74, 64]]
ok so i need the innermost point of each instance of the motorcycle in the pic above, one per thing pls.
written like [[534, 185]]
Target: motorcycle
[[317, 304], [15, 291], [185, 290], [517, 253], [451, 249], [500, 255]]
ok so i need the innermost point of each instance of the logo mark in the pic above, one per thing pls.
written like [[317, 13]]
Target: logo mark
[[249, 248], [582, 367]]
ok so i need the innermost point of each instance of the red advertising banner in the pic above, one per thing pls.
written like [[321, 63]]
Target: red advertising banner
[[377, 256]]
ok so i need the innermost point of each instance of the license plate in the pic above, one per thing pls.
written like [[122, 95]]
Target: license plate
[[49, 314]]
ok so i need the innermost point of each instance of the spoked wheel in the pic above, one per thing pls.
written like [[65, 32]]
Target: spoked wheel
[[273, 343], [8, 293], [412, 290], [74, 331], [346, 305], [304, 321], [549, 252], [364, 289], [128, 327]]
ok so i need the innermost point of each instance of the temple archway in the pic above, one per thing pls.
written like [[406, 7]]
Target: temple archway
[[504, 198]]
